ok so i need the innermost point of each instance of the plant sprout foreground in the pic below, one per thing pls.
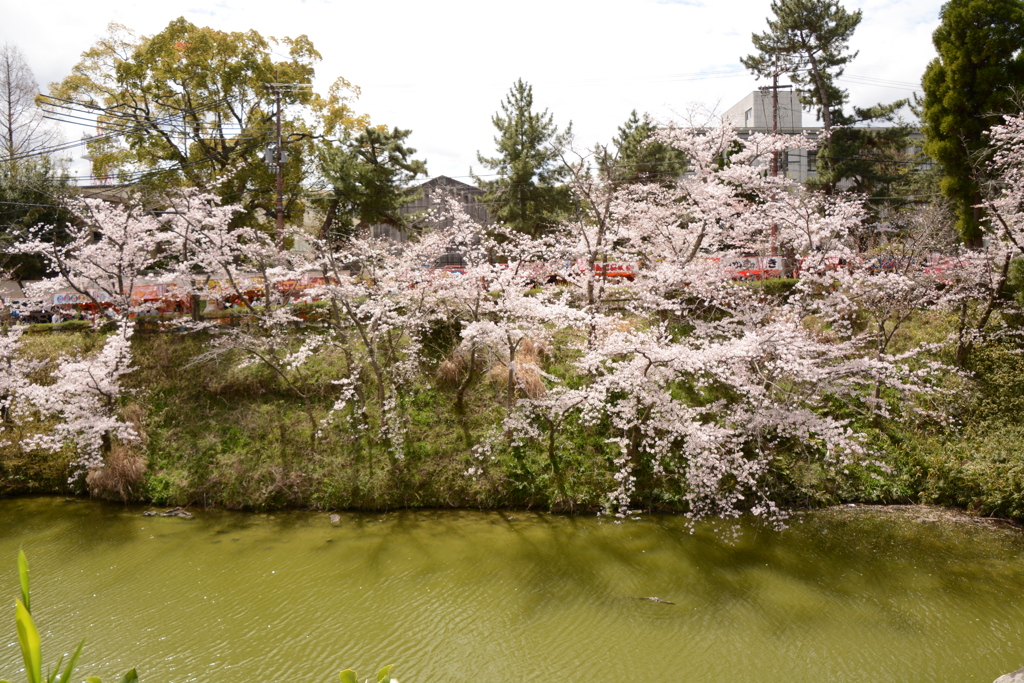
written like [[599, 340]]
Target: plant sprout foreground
[[31, 651], [31, 647]]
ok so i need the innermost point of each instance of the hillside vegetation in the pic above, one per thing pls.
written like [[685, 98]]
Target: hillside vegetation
[[217, 434]]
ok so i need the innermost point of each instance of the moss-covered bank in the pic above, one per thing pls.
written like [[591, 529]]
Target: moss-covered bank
[[217, 434]]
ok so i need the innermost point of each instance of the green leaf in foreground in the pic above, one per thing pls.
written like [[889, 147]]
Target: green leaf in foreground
[[52, 676], [348, 676], [28, 637], [31, 649], [23, 578], [66, 676]]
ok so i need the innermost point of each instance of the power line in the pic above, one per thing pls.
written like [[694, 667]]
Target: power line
[[118, 129]]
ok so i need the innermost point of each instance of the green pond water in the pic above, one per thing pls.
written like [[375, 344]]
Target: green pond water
[[845, 595]]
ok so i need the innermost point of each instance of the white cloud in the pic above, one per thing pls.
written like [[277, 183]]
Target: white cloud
[[442, 68]]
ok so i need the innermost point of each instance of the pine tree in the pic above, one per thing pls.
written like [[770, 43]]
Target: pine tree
[[369, 175], [808, 40], [966, 89], [528, 194], [874, 162], [638, 158]]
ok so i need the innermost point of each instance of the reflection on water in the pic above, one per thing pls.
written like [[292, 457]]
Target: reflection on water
[[491, 597]]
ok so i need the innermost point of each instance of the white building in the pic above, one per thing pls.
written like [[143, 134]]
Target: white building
[[753, 114]]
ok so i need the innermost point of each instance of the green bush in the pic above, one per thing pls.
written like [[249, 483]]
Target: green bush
[[780, 287]]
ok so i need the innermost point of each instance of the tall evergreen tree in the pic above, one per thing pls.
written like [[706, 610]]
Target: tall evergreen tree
[[369, 175], [809, 42], [528, 194], [638, 158], [966, 89], [872, 161]]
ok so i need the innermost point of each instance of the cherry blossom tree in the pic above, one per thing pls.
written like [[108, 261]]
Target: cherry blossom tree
[[83, 396], [1005, 196], [691, 377], [700, 378], [377, 316], [14, 379], [111, 248], [211, 258]]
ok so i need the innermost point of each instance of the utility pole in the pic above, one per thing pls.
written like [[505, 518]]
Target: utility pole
[[775, 131], [279, 202], [774, 119], [277, 156]]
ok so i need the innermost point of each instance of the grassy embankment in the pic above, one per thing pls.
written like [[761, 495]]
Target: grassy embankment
[[217, 434]]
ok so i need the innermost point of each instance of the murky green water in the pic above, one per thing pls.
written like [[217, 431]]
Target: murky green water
[[492, 597]]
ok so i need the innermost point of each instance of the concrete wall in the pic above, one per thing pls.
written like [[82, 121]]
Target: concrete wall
[[755, 112]]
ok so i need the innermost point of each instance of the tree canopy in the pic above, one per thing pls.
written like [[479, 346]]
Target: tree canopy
[[195, 106], [809, 41], [34, 196], [22, 127], [369, 174], [32, 182], [639, 158], [967, 88], [528, 194], [876, 161]]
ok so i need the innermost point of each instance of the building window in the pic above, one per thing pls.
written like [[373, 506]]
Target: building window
[[812, 161], [747, 116]]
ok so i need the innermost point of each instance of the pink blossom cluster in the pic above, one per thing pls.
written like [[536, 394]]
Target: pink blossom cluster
[[697, 379]]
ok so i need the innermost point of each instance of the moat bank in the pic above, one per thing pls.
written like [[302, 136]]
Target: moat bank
[[216, 434], [842, 595]]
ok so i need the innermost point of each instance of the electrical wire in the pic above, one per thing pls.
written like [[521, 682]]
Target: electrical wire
[[119, 129]]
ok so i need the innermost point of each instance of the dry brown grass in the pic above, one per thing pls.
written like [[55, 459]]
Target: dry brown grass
[[123, 469], [451, 370], [528, 379]]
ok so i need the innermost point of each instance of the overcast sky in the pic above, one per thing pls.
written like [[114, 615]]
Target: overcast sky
[[441, 68]]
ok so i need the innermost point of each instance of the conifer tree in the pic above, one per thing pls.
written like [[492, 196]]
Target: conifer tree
[[966, 89], [369, 175], [638, 158], [808, 40], [528, 194], [875, 161]]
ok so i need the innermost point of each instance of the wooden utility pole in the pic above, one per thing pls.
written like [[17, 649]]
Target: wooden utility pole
[[774, 247], [279, 202], [280, 156], [774, 120]]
